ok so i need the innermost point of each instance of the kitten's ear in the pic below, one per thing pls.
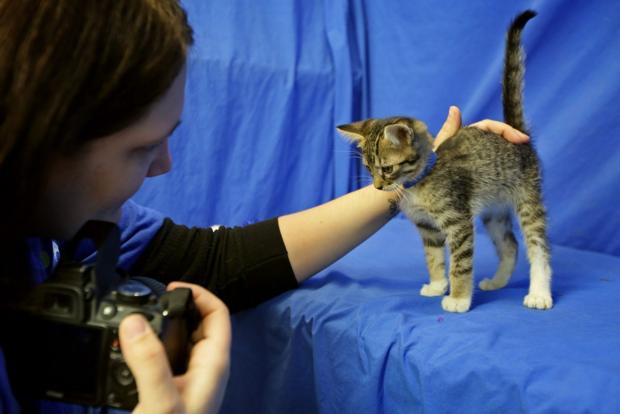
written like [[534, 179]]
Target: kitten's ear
[[352, 131], [398, 134]]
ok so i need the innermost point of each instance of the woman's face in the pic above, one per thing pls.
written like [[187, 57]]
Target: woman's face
[[94, 183]]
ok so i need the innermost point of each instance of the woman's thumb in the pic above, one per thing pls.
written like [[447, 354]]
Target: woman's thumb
[[145, 355]]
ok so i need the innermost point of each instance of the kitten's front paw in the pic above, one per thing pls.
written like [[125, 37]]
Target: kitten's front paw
[[538, 301], [434, 288], [491, 284], [450, 304]]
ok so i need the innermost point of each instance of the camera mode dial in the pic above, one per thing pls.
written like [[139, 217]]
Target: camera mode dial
[[133, 293]]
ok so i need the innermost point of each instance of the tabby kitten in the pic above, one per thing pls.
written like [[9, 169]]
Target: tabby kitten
[[474, 172]]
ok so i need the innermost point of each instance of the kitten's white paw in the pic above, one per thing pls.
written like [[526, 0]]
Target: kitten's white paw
[[434, 288], [450, 304], [538, 300], [491, 284]]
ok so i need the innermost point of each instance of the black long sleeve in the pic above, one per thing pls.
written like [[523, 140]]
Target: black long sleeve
[[243, 266]]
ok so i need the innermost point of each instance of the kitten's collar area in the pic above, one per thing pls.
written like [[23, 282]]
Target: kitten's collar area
[[430, 163]]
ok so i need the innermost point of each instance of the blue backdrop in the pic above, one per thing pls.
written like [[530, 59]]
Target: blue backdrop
[[269, 80]]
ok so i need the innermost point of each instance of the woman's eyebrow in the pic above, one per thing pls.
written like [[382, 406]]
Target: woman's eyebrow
[[155, 141], [161, 139], [172, 129]]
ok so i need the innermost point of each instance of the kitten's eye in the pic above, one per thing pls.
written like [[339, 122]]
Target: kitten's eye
[[413, 159], [388, 170]]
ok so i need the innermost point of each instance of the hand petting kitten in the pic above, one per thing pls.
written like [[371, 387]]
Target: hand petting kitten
[[453, 123]]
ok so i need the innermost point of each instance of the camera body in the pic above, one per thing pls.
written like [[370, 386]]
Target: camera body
[[63, 336]]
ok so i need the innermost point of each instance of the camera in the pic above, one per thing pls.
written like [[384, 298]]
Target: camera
[[62, 342]]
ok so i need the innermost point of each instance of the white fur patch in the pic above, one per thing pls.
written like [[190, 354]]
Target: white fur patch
[[539, 296], [434, 288], [460, 305]]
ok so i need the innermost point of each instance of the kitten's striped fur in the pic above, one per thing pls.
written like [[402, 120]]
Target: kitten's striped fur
[[477, 172]]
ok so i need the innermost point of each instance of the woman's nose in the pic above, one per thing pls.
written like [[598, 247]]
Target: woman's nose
[[162, 162]]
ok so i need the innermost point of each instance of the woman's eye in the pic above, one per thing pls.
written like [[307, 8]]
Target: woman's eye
[[149, 148], [388, 169]]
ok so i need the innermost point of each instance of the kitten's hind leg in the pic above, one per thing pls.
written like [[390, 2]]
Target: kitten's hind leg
[[532, 218], [499, 226], [460, 236], [434, 251]]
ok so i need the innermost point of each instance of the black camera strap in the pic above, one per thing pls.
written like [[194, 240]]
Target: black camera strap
[[107, 239]]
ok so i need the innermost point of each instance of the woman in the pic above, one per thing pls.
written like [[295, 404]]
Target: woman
[[90, 91]]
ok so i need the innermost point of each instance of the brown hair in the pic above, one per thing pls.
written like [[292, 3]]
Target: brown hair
[[72, 71]]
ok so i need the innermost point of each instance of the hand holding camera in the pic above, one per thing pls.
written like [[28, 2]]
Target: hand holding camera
[[89, 336], [201, 388]]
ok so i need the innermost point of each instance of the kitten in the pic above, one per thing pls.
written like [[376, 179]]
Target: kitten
[[474, 172]]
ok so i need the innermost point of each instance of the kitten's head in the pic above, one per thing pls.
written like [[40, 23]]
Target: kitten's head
[[395, 150]]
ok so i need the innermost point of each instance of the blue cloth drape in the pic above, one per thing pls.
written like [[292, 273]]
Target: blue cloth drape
[[270, 80]]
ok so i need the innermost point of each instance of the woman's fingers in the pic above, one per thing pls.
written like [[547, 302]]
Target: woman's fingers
[[204, 383], [449, 127], [201, 388], [453, 124], [500, 128], [145, 355]]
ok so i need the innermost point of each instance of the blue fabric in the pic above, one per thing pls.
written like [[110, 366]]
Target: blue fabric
[[138, 225], [268, 83], [8, 404], [358, 338]]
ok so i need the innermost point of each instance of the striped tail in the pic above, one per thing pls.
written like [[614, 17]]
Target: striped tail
[[512, 93]]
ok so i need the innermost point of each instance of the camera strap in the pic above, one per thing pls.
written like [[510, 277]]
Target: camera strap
[[106, 237]]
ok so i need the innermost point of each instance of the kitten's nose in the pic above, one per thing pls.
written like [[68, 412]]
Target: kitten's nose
[[378, 183]]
